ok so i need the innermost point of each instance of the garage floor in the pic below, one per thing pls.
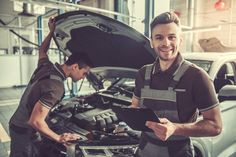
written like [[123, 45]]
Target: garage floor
[[9, 99]]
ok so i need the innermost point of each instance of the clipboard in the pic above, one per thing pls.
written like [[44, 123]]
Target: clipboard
[[136, 118]]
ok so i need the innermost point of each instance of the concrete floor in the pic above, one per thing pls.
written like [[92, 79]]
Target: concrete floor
[[9, 99]]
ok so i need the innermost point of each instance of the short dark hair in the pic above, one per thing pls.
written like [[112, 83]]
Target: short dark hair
[[79, 58], [165, 18]]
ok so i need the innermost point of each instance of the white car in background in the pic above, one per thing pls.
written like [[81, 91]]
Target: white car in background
[[221, 67]]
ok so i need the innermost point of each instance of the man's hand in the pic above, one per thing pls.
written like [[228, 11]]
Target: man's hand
[[162, 130], [68, 137], [51, 24]]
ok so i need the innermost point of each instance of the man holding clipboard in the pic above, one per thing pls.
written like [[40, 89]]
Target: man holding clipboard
[[136, 118], [175, 90]]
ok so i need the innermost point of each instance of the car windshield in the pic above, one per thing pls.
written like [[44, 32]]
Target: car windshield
[[205, 65]]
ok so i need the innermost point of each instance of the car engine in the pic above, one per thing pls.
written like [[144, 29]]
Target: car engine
[[102, 133]]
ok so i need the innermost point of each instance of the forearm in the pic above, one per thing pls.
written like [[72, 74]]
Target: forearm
[[210, 125], [37, 121], [201, 128], [43, 50], [43, 128]]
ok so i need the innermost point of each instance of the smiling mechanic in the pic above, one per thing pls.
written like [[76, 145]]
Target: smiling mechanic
[[45, 90], [176, 90]]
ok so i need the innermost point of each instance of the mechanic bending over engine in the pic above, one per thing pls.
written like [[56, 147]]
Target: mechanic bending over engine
[[45, 89], [176, 90]]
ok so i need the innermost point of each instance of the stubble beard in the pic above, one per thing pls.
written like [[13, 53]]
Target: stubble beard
[[169, 58]]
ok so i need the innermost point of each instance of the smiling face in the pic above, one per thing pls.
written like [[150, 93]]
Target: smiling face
[[165, 40]]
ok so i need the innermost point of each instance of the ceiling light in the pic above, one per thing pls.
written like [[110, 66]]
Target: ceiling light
[[219, 5], [26, 10]]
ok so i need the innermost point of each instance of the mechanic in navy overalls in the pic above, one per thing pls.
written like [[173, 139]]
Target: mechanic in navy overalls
[[176, 90]]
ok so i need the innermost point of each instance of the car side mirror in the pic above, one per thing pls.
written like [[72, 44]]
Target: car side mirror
[[228, 92]]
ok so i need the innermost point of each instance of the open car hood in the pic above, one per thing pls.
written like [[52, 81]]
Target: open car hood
[[107, 42]]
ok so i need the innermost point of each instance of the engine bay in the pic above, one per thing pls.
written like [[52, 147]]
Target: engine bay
[[101, 131]]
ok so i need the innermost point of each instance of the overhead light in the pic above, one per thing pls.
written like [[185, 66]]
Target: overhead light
[[202, 29], [219, 5], [55, 4]]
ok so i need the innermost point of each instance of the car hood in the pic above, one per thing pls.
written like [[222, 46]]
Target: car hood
[[107, 42]]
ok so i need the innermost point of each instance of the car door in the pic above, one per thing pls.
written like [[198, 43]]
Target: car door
[[225, 143]]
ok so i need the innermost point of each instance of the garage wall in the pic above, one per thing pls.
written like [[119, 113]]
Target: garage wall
[[6, 11], [16, 70], [17, 67], [9, 71], [207, 15]]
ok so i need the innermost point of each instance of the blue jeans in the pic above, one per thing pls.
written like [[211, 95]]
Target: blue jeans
[[21, 144]]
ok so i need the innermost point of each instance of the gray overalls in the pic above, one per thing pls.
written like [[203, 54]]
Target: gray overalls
[[164, 104]]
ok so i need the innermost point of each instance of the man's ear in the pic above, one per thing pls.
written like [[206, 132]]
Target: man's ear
[[74, 66]]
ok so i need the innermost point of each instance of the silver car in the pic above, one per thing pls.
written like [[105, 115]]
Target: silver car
[[221, 67]]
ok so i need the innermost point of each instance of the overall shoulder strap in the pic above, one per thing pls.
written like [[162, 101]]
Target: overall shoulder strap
[[179, 73], [50, 76], [147, 77], [43, 75], [55, 77]]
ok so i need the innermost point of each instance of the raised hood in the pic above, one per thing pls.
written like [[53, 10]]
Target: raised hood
[[107, 42]]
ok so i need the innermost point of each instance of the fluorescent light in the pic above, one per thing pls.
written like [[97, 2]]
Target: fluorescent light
[[70, 6], [202, 29]]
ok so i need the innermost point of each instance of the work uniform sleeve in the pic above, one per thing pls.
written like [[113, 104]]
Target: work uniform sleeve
[[204, 92], [51, 92]]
